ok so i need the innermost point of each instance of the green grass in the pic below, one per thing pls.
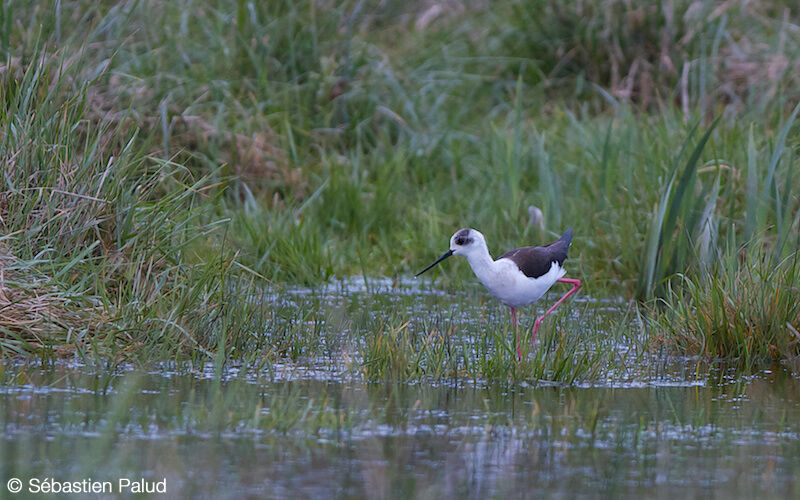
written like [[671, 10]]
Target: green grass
[[168, 162], [744, 310]]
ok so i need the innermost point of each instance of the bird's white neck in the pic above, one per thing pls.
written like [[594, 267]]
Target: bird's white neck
[[481, 263]]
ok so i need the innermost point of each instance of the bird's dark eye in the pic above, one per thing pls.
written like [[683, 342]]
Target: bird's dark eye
[[462, 238]]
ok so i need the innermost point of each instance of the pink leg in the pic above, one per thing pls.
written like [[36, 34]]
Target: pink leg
[[575, 285], [514, 322]]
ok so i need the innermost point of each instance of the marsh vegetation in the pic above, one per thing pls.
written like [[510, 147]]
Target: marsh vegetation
[[208, 189]]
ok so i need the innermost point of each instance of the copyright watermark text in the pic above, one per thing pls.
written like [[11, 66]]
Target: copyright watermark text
[[49, 485]]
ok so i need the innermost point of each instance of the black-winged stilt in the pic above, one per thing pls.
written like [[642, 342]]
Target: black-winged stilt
[[519, 277]]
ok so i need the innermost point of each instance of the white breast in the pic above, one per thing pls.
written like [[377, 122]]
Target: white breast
[[509, 285]]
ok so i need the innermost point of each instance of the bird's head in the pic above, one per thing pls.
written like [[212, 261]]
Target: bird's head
[[464, 242]]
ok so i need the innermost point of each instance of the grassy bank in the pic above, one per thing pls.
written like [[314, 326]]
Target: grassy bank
[[164, 160]]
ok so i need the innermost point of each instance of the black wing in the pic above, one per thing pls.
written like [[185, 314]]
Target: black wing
[[536, 261]]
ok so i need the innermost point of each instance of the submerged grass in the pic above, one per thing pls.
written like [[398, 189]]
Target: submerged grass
[[567, 352], [164, 179]]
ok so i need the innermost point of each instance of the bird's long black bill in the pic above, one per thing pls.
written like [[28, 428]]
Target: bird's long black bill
[[444, 256]]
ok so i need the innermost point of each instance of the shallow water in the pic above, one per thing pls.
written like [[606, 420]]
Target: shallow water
[[314, 427], [311, 437]]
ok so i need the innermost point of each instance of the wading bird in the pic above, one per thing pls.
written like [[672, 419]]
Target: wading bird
[[519, 277]]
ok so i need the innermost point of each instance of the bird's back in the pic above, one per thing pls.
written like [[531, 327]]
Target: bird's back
[[536, 261]]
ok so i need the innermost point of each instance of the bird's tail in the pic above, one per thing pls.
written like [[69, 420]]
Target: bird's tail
[[558, 249], [567, 237]]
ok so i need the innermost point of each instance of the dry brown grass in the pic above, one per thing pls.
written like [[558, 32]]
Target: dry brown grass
[[252, 157], [651, 53], [36, 315]]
